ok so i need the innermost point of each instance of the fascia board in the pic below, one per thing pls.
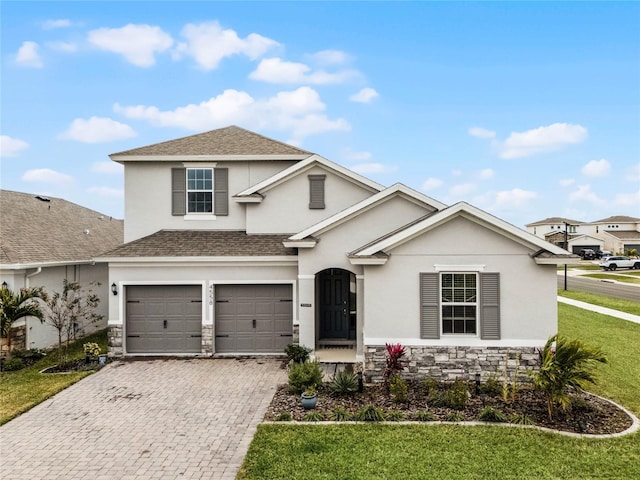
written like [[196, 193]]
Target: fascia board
[[60, 263], [191, 260], [557, 261], [306, 164], [300, 244], [248, 199], [368, 261], [201, 158], [496, 224], [364, 206]]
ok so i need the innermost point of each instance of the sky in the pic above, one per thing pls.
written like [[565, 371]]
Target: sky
[[525, 110]]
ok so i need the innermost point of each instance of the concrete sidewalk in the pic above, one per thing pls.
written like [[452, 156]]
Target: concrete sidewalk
[[602, 310]]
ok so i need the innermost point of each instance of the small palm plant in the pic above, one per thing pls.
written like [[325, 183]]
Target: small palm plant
[[570, 364], [17, 305]]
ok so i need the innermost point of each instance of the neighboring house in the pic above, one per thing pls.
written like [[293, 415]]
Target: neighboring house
[[617, 234], [45, 240], [239, 244]]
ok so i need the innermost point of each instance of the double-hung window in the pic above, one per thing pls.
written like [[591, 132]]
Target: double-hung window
[[459, 303], [199, 190]]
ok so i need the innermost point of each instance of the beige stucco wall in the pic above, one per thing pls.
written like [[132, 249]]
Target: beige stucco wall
[[51, 278], [148, 196], [285, 208], [527, 291]]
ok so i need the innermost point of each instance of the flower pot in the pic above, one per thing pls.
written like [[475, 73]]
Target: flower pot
[[309, 401]]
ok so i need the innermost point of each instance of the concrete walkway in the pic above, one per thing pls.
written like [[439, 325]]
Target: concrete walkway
[[602, 310], [145, 419]]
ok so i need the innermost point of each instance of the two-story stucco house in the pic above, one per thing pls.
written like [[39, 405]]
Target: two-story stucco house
[[239, 244]]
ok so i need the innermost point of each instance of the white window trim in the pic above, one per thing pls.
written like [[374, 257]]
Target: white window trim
[[476, 303], [199, 215], [458, 268]]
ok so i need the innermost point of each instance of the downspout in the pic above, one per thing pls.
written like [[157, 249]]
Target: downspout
[[27, 345]]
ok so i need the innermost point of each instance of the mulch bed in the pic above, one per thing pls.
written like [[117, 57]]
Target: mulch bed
[[589, 415]]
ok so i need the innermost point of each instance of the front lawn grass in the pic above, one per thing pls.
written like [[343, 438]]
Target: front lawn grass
[[603, 301], [613, 276], [366, 451], [23, 389]]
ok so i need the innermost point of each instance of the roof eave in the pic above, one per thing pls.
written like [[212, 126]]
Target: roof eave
[[202, 158]]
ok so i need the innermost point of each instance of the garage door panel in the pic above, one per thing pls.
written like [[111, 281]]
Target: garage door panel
[[164, 319], [238, 306]]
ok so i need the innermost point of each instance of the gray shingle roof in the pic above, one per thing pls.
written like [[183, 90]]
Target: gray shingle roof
[[223, 141], [37, 231], [203, 243], [555, 220], [618, 219], [625, 234]]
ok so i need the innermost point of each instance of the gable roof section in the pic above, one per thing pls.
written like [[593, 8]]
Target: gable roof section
[[203, 243], [617, 219], [554, 221], [228, 143], [624, 234], [368, 203], [301, 167], [407, 233], [37, 230]]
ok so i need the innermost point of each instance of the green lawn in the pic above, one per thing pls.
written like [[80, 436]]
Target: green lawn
[[613, 276], [603, 301], [371, 451], [23, 389]]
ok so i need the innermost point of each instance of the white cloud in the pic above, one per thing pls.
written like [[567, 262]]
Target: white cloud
[[596, 168], [97, 130], [364, 96], [567, 182], [369, 168], [431, 184], [542, 139], [633, 173], [106, 192], [515, 197], [137, 43], [462, 189], [46, 175], [298, 112], [330, 57], [584, 194], [276, 70], [11, 147], [631, 200], [107, 167], [486, 174], [63, 46], [208, 43], [59, 23], [480, 132], [352, 155], [29, 55]]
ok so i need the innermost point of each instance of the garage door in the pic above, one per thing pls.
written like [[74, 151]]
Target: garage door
[[253, 318], [164, 319]]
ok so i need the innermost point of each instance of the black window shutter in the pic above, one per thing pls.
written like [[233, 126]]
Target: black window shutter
[[316, 191], [178, 191], [429, 305], [221, 191], [490, 306]]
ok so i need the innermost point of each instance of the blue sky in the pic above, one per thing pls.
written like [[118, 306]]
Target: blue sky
[[526, 110]]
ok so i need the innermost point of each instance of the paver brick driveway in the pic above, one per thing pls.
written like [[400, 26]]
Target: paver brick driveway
[[144, 419]]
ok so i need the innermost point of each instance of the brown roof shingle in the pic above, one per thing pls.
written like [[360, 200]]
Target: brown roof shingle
[[36, 229], [223, 141], [204, 243]]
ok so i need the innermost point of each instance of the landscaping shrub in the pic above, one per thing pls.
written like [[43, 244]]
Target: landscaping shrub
[[395, 361], [398, 388], [457, 395], [395, 416], [313, 417], [491, 414], [284, 417], [303, 376], [344, 383], [297, 353], [341, 414], [425, 416], [13, 364], [454, 417], [491, 386], [521, 419], [370, 413]]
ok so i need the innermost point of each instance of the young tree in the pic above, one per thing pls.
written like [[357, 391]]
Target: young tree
[[68, 311], [16, 305]]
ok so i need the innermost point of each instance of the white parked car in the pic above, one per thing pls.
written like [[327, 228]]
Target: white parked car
[[612, 263]]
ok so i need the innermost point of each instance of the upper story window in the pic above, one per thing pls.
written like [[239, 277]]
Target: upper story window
[[199, 190]]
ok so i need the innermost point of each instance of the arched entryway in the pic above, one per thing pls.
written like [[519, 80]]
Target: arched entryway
[[336, 308]]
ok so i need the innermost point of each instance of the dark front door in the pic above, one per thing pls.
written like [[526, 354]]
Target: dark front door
[[334, 308]]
